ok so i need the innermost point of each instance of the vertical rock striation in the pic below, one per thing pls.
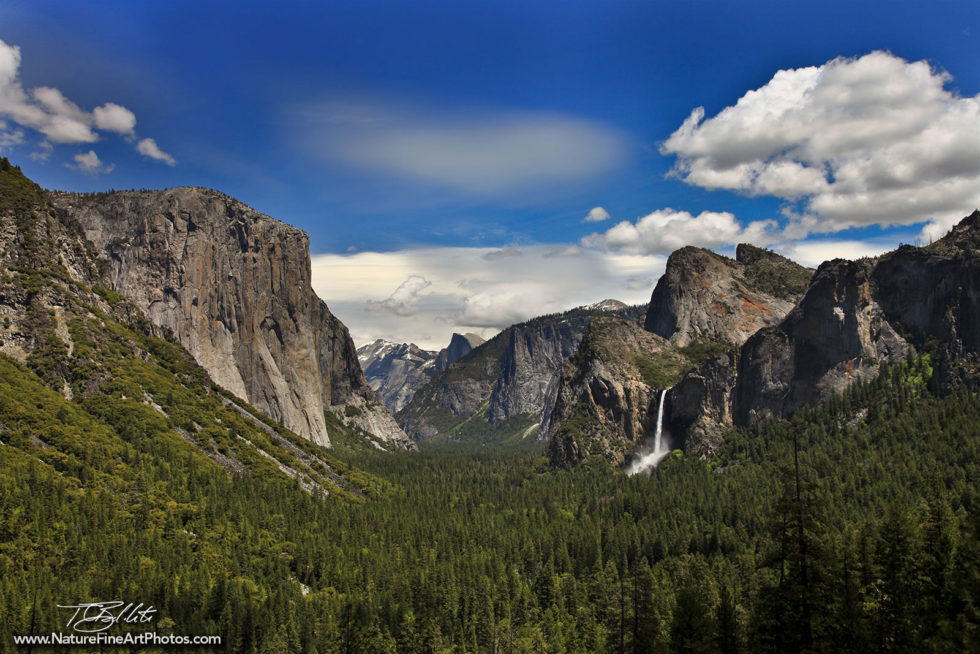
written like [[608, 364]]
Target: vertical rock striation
[[233, 285]]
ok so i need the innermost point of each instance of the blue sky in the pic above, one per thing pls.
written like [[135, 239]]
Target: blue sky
[[443, 156]]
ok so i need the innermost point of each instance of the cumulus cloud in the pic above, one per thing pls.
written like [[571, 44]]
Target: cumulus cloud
[[596, 215], [403, 301], [666, 230], [504, 305], [90, 163], [149, 148], [115, 118], [48, 111], [485, 153], [854, 142]]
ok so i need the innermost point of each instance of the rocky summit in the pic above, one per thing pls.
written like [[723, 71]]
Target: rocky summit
[[233, 286], [704, 305], [703, 295]]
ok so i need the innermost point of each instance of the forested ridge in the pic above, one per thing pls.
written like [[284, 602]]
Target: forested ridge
[[851, 527]]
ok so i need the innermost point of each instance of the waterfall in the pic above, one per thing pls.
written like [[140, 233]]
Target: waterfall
[[651, 459]]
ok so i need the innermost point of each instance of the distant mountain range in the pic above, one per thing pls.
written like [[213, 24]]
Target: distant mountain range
[[397, 370]]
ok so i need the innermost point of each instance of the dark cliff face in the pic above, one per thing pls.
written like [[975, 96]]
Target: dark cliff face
[[854, 316], [836, 335], [459, 346], [233, 285], [705, 296]]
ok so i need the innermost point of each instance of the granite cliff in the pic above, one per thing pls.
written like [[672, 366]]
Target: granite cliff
[[608, 391], [854, 317], [233, 286]]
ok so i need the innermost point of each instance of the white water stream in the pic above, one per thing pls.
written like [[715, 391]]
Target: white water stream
[[650, 460]]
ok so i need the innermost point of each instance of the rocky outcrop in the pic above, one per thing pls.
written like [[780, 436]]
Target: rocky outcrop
[[700, 405], [609, 390], [233, 286], [855, 316], [703, 296], [396, 370]]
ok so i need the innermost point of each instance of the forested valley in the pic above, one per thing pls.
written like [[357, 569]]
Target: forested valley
[[851, 527]]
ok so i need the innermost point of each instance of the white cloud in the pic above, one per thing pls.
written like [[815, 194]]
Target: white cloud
[[465, 291], [148, 148], [854, 142], [404, 300], [115, 118], [666, 230], [490, 153], [812, 253], [470, 292], [10, 137], [90, 163], [596, 215], [60, 120], [44, 152]]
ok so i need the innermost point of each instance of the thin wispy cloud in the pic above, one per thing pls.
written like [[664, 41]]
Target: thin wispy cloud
[[149, 148], [484, 153]]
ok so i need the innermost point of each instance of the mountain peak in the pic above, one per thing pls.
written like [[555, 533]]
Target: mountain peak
[[703, 295]]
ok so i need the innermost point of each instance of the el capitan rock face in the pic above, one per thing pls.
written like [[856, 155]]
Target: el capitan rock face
[[233, 285]]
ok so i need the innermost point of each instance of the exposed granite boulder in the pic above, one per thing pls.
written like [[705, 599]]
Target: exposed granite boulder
[[233, 285]]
